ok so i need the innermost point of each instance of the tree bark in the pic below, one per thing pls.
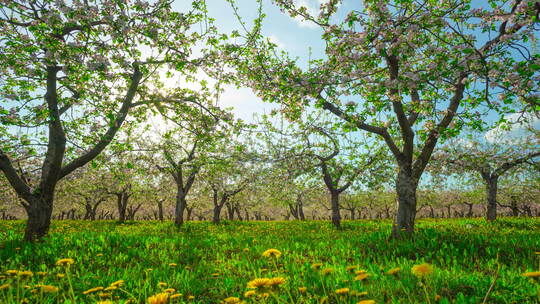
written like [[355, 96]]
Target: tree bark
[[491, 190], [336, 217], [39, 212], [406, 195], [181, 204], [160, 209]]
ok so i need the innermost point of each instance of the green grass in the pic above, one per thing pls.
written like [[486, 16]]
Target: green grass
[[214, 262]]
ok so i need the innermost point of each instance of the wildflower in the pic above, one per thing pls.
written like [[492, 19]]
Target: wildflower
[[361, 277], [60, 275], [342, 291], [160, 298], [41, 273], [49, 288], [258, 283], [271, 253], [174, 296], [104, 295], [249, 293], [169, 290], [65, 262], [246, 249], [92, 290], [25, 274], [215, 274], [327, 271], [232, 300], [533, 275], [4, 286], [351, 268], [162, 284], [366, 302], [110, 288], [437, 297], [99, 254], [360, 271], [361, 294], [265, 295], [12, 272], [302, 289], [393, 271], [422, 270], [117, 283], [316, 266], [173, 264], [191, 297], [275, 281], [105, 302]]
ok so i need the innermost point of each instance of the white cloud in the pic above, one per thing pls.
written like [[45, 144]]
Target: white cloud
[[312, 7], [515, 130]]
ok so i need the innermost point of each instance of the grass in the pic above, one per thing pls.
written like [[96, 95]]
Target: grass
[[207, 263]]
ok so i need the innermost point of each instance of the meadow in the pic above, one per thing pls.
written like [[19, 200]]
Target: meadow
[[448, 261]]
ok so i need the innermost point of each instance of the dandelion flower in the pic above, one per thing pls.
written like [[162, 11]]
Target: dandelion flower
[[342, 291], [12, 272], [275, 281], [162, 284], [25, 274], [437, 297], [272, 253], [104, 295], [215, 274], [169, 290], [173, 264], [361, 277], [360, 271], [422, 270], [351, 268], [191, 297], [361, 294], [4, 286], [160, 298], [302, 289], [105, 302], [393, 271], [249, 293], [92, 290], [366, 302], [117, 283], [49, 288], [65, 262], [174, 296], [110, 288], [41, 273], [232, 300], [533, 274], [316, 266], [60, 275], [327, 271], [258, 283]]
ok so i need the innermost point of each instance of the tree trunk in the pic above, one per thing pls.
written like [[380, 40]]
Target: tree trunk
[[217, 213], [406, 195], [122, 202], [336, 217], [301, 211], [160, 210], [39, 212], [179, 210], [491, 189]]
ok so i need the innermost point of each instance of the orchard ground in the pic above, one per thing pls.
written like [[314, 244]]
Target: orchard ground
[[209, 263]]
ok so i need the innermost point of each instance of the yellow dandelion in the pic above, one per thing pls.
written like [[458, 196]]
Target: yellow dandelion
[[272, 253], [361, 294], [160, 298], [41, 273], [173, 264], [12, 272], [92, 290], [273, 282], [360, 271], [104, 295], [249, 293], [437, 297], [327, 271], [49, 288], [366, 302], [169, 290], [191, 297], [316, 266], [232, 300], [162, 284], [65, 262], [422, 270], [4, 286], [105, 302], [174, 296], [215, 274], [60, 275], [117, 283], [533, 274], [258, 283], [265, 295], [25, 274], [110, 288], [302, 289], [351, 268], [361, 277], [246, 249], [393, 271], [342, 291]]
